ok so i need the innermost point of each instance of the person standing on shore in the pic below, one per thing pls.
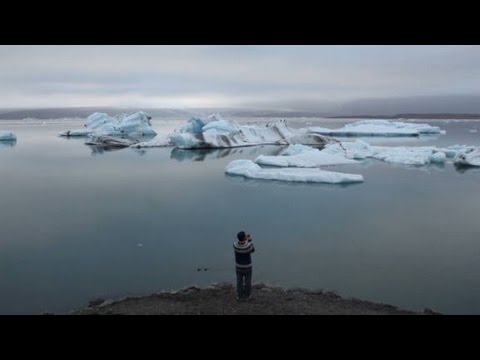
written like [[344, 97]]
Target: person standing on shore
[[243, 263]]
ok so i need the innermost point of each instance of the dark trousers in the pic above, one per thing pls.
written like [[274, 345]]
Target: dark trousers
[[244, 283]]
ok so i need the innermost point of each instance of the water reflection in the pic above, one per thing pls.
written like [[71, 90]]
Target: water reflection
[[421, 167], [140, 151], [464, 168], [102, 150], [388, 239], [211, 154], [8, 143], [97, 149], [74, 138]]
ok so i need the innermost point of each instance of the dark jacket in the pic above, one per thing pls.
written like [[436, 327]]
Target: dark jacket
[[243, 250]]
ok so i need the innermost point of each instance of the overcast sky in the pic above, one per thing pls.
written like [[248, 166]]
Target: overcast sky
[[287, 77]]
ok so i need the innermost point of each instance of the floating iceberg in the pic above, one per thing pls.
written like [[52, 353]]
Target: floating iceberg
[[94, 121], [455, 150], [77, 133], [136, 125], [7, 136], [414, 155], [379, 128], [304, 156], [348, 152], [109, 142], [409, 156], [438, 157], [215, 132], [249, 169], [471, 158], [158, 141], [101, 124]]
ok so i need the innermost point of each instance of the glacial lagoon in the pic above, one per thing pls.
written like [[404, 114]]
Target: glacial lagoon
[[79, 223]]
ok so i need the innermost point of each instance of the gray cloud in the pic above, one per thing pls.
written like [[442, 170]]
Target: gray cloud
[[314, 77]]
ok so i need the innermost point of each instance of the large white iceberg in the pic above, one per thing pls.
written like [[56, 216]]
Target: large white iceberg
[[347, 152], [7, 136], [100, 124], [420, 155], [408, 155], [215, 132], [304, 156], [379, 128], [249, 169]]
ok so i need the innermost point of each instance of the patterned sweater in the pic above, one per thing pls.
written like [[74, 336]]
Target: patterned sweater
[[243, 250]]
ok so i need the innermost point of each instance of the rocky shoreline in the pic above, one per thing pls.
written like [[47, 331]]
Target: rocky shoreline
[[219, 299]]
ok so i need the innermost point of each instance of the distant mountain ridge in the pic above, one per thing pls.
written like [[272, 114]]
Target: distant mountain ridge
[[61, 113], [410, 116]]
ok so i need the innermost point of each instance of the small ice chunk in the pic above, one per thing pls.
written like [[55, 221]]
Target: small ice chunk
[[468, 159], [77, 133], [7, 136], [438, 157], [454, 150], [404, 155]]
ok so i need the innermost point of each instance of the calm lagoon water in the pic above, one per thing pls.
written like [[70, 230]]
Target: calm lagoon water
[[77, 224]]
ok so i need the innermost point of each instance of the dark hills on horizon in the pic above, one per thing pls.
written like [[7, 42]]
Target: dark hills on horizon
[[83, 112], [423, 107]]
